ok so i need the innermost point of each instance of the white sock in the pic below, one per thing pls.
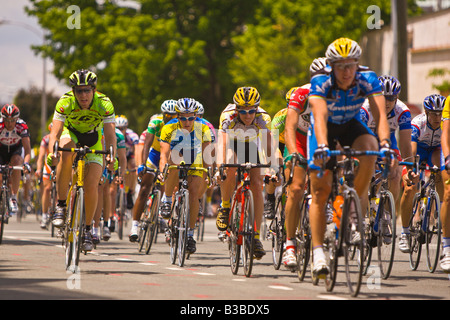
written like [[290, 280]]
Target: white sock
[[318, 253], [405, 230], [446, 245]]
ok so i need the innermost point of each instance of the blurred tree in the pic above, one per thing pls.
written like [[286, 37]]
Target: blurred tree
[[203, 49], [164, 50], [274, 54]]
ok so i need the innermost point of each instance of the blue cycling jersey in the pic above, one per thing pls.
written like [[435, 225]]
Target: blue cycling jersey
[[344, 105]]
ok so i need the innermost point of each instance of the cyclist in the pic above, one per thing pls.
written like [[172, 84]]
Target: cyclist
[[445, 214], [184, 138], [14, 137], [337, 93], [425, 142], [243, 125], [131, 140], [79, 117], [278, 123], [106, 204], [150, 158], [43, 172], [399, 117]]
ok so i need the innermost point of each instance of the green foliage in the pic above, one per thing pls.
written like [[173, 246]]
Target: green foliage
[[203, 49]]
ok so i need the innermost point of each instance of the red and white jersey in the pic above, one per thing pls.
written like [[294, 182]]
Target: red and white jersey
[[299, 102], [13, 137]]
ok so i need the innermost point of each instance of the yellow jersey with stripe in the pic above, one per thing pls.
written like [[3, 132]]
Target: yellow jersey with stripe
[[188, 144]]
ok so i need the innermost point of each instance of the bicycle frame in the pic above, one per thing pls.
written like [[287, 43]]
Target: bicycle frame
[[75, 222], [179, 239]]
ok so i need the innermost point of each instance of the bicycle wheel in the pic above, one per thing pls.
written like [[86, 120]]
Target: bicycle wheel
[[303, 239], [183, 227], [120, 210], [153, 222], [52, 207], [433, 231], [248, 233], [143, 228], [278, 233], [352, 242], [173, 229], [3, 213], [76, 231], [234, 248], [371, 239], [330, 248], [386, 230], [415, 226]]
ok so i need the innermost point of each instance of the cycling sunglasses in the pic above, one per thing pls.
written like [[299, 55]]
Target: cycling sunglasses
[[390, 98], [80, 91], [251, 111], [345, 66], [192, 118]]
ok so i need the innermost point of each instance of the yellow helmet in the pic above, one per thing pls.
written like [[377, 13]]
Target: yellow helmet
[[247, 96], [290, 92], [343, 48]]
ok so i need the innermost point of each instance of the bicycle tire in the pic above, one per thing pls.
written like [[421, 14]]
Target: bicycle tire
[[78, 228], [433, 231], [183, 227], [234, 248], [173, 229], [52, 208], [415, 244], [303, 251], [120, 210], [75, 232], [351, 241], [3, 213], [248, 233], [153, 223], [386, 233], [143, 228], [278, 233], [371, 240]]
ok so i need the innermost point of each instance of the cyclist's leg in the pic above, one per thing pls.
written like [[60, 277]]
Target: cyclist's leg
[[295, 191], [445, 221], [46, 187], [16, 160], [130, 180], [91, 179], [437, 159], [227, 187], [169, 186], [146, 186], [256, 185], [395, 178], [365, 142]]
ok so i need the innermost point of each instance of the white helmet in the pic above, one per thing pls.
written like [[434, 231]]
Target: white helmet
[[169, 106], [121, 121], [186, 105]]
